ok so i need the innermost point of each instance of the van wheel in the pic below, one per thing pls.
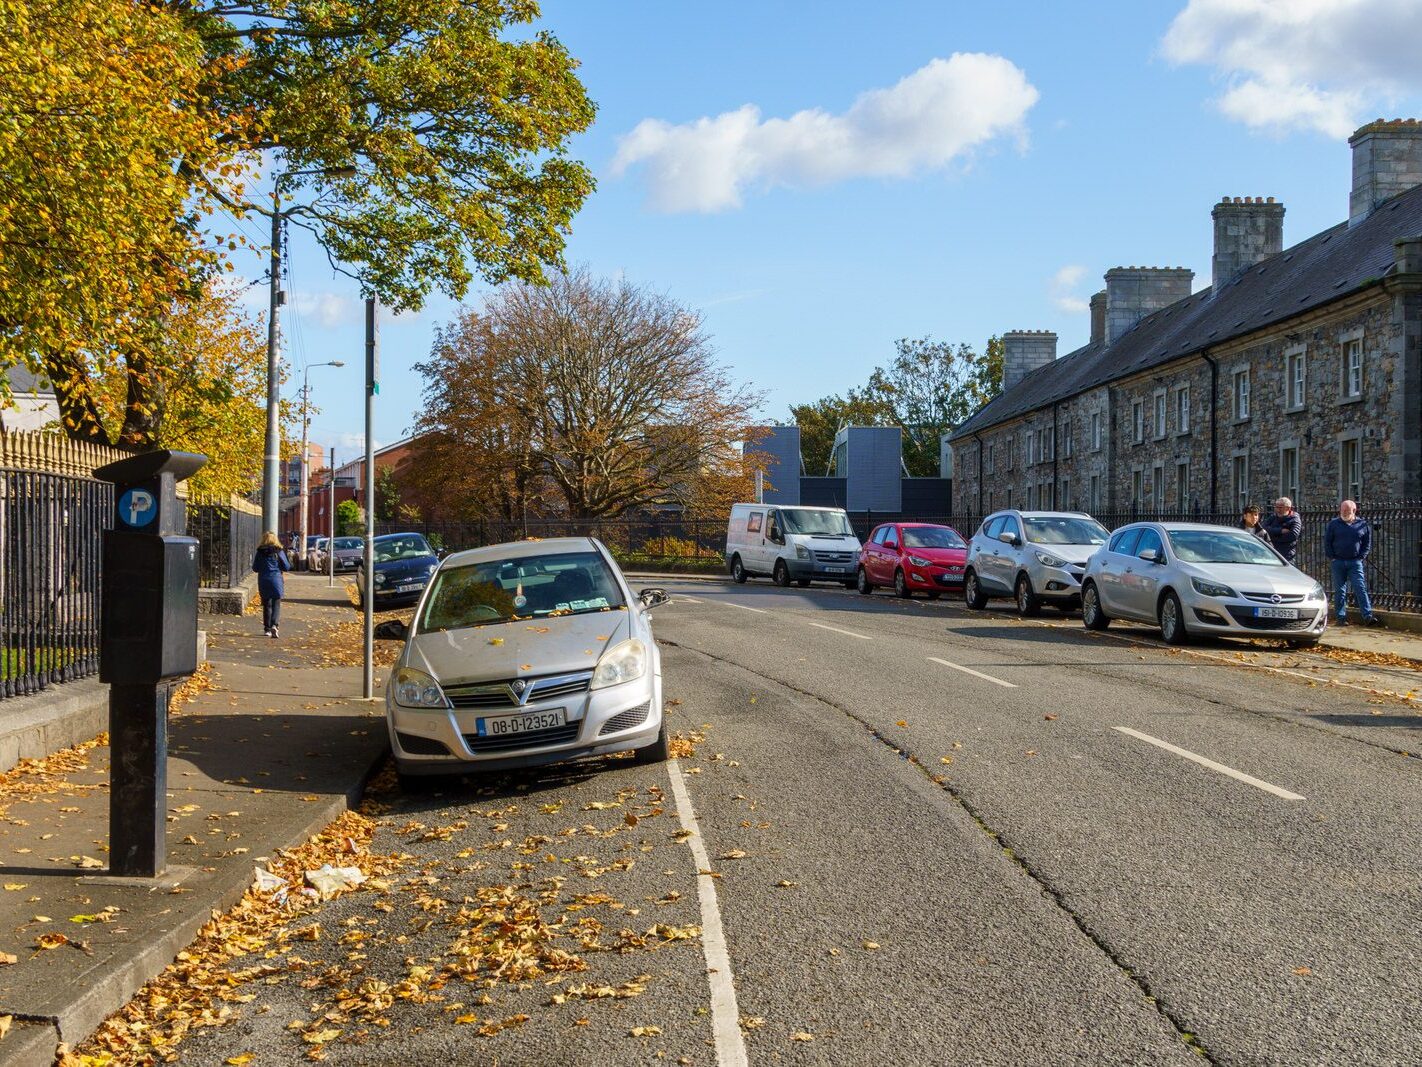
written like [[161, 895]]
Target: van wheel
[[862, 582], [973, 592], [781, 574], [901, 588], [1029, 604], [1092, 617], [1172, 621], [738, 571]]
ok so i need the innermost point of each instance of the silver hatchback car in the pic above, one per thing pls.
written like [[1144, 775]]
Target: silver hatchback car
[[523, 654], [1194, 579], [1035, 557]]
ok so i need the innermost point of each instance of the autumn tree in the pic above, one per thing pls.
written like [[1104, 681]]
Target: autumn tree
[[820, 420], [605, 396]]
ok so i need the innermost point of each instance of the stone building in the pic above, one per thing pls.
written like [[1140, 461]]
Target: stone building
[[1298, 372]]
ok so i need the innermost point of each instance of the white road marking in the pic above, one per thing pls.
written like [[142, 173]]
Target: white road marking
[[743, 607], [689, 599], [975, 674], [1211, 764], [836, 629], [725, 1014]]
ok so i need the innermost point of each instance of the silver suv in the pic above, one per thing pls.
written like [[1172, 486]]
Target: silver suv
[[1035, 557]]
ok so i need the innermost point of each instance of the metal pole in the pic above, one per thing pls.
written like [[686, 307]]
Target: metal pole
[[331, 521], [271, 459], [372, 386], [305, 460]]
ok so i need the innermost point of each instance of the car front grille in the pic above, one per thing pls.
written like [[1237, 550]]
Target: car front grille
[[1274, 598], [553, 735], [501, 695], [420, 746], [838, 558], [1244, 617], [625, 720]]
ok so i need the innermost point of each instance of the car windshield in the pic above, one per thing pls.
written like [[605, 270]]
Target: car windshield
[[349, 542], [403, 546], [1222, 546], [816, 523], [1065, 530], [931, 537], [529, 587]]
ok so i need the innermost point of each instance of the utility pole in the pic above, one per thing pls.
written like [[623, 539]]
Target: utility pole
[[306, 449], [271, 459], [372, 386], [331, 518]]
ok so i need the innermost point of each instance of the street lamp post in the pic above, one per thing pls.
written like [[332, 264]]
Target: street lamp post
[[306, 450], [271, 459]]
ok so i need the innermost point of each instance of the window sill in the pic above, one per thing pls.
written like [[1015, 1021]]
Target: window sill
[[1240, 422], [1184, 433], [1342, 400], [1298, 409]]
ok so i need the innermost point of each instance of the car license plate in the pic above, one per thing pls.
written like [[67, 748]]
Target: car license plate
[[835, 570], [413, 587], [1276, 613], [518, 724]]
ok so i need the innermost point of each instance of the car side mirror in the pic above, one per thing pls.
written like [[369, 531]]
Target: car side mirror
[[1007, 537], [653, 598], [1150, 555], [392, 630], [892, 546]]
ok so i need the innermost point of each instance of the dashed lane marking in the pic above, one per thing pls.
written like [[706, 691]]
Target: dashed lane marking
[[836, 629], [1229, 772], [743, 607], [975, 674], [725, 1013]]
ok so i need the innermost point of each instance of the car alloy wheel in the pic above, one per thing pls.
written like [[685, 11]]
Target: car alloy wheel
[[972, 593], [1028, 604], [901, 588], [862, 583], [1092, 617], [1172, 622]]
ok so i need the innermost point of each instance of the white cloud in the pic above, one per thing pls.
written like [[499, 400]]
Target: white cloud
[[328, 309], [1303, 64], [933, 116], [1061, 285]]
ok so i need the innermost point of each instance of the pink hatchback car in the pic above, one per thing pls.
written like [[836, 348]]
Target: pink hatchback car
[[913, 557]]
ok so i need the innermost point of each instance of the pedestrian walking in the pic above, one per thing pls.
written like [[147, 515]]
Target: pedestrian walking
[[270, 563], [1249, 521], [1284, 528], [1346, 542]]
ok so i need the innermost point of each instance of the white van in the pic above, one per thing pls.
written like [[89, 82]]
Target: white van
[[788, 544]]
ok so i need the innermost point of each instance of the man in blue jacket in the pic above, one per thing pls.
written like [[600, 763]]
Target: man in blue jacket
[[1284, 528], [1347, 542]]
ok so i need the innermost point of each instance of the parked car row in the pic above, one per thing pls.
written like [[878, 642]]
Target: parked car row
[[1190, 579]]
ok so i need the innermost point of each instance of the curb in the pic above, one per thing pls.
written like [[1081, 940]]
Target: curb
[[95, 1003], [56, 717]]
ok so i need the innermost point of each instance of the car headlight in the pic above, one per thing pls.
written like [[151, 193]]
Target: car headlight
[[379, 579], [1211, 588], [624, 662], [919, 561], [801, 552], [416, 689], [1317, 593], [1049, 561]]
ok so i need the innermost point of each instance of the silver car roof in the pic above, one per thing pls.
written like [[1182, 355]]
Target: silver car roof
[[523, 549]]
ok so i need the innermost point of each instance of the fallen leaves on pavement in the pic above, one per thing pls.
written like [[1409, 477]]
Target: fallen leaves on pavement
[[48, 775]]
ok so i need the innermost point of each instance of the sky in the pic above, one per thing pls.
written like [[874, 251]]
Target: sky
[[819, 180]]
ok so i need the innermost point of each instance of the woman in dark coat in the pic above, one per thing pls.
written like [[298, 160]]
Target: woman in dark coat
[[270, 563]]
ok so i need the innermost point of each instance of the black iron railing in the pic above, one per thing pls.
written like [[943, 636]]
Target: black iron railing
[[229, 534]]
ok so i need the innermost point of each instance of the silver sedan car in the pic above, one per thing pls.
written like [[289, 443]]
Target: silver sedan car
[[523, 654], [1191, 579]]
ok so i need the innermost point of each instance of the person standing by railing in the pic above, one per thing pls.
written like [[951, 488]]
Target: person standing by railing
[[1284, 528], [1249, 522], [1346, 542], [270, 563]]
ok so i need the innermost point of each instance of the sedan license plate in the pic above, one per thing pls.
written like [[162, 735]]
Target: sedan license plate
[[518, 724], [1276, 613]]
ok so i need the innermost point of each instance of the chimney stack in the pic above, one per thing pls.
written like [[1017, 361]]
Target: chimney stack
[[1098, 316], [1132, 293], [1248, 230], [1387, 160], [1023, 351]]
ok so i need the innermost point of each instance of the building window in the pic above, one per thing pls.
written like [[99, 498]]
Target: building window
[[1157, 486], [1031, 496], [1096, 431], [1353, 369], [1064, 499], [1241, 394], [1094, 493], [1066, 439], [1182, 485], [989, 459], [1289, 473], [1008, 504], [1137, 422], [1159, 425], [1182, 409], [1240, 471], [1137, 488], [1350, 455], [1049, 444], [1010, 445], [1295, 374]]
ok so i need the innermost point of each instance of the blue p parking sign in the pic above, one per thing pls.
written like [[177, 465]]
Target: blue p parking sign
[[137, 507]]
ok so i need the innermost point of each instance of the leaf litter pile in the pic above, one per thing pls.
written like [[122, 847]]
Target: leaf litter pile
[[464, 934]]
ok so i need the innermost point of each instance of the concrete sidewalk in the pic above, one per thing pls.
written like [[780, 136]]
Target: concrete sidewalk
[[275, 750]]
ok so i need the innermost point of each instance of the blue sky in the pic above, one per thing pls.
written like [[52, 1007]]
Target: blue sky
[[988, 193]]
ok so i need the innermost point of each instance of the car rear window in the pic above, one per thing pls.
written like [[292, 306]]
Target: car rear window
[[529, 587]]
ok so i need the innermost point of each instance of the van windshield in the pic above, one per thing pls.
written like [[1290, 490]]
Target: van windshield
[[816, 523]]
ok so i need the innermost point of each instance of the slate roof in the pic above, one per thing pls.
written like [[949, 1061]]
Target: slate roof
[[1326, 267]]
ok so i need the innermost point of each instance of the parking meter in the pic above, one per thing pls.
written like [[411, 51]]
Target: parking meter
[[148, 640]]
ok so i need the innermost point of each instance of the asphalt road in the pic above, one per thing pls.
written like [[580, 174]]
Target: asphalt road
[[934, 836]]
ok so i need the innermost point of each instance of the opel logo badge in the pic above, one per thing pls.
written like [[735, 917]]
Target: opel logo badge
[[520, 685], [1276, 598]]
